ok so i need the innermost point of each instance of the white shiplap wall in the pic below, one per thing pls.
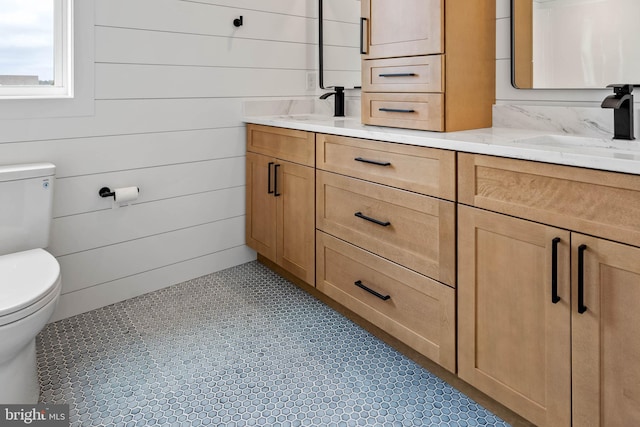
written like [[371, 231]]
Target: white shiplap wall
[[170, 80]]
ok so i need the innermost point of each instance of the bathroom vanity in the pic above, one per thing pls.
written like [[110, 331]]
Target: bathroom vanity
[[511, 258]]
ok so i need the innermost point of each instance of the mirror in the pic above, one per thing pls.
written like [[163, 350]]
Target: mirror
[[339, 48], [574, 44]]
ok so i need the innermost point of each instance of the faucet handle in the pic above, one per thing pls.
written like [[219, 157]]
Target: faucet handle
[[621, 89]]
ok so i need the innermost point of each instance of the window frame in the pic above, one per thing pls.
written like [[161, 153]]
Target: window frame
[[63, 37]]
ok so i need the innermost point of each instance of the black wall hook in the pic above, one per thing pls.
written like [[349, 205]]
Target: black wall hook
[[238, 22]]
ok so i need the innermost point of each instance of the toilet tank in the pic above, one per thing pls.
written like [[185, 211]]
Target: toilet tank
[[26, 200]]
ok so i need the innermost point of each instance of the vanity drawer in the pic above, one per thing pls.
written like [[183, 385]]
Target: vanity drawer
[[424, 111], [413, 230], [605, 204], [424, 170], [412, 74], [419, 311], [293, 145]]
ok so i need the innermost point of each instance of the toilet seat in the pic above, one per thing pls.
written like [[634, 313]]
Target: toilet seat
[[29, 280]]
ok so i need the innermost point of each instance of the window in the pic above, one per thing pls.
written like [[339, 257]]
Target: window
[[36, 57]]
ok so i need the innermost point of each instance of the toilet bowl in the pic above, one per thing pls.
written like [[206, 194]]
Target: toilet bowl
[[29, 287]]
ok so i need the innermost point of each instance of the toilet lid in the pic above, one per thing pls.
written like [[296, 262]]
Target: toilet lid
[[25, 278]]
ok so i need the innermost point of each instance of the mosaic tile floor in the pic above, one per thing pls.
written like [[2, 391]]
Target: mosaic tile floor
[[240, 347]]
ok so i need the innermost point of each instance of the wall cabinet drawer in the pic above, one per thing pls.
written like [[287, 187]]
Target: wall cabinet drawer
[[600, 203], [293, 145], [418, 311], [412, 74], [408, 228], [406, 110], [424, 170]]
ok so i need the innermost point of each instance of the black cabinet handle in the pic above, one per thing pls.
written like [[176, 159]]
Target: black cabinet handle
[[362, 49], [395, 110], [554, 271], [375, 221], [269, 190], [371, 291], [397, 75], [372, 162], [275, 180], [581, 307]]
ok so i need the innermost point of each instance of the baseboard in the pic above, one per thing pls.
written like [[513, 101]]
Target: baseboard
[[88, 299]]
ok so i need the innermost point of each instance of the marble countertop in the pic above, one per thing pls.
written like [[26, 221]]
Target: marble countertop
[[563, 149]]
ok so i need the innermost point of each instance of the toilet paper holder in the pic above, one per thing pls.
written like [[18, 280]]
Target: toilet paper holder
[[105, 192]]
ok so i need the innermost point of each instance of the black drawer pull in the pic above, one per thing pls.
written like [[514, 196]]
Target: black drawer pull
[[395, 110], [397, 75], [581, 307], [375, 221], [269, 190], [371, 291], [275, 180], [554, 271], [372, 162]]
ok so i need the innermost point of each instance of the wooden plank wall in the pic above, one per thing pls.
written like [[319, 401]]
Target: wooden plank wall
[[171, 77]]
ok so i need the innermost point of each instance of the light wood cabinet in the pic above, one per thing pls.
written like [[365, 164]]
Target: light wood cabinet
[[429, 171], [421, 23], [514, 343], [385, 248], [550, 360], [413, 308], [605, 337], [411, 229], [280, 199], [438, 59]]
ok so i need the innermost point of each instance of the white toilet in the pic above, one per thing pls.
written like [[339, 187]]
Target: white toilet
[[29, 275]]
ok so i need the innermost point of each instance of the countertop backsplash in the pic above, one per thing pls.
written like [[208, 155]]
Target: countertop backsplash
[[581, 121]]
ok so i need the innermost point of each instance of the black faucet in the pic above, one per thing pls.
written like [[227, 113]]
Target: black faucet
[[339, 105], [622, 103]]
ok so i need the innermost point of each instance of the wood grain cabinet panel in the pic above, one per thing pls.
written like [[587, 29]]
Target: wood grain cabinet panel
[[424, 170], [287, 144], [409, 110], [412, 74], [606, 337], [514, 342], [408, 228], [280, 198], [605, 204], [260, 228], [409, 306], [421, 23], [295, 206]]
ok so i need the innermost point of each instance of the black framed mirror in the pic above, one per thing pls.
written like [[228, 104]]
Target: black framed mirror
[[339, 44], [574, 44]]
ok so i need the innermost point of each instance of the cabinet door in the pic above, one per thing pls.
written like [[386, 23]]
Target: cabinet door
[[261, 205], [402, 28], [295, 196], [513, 341], [606, 337]]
